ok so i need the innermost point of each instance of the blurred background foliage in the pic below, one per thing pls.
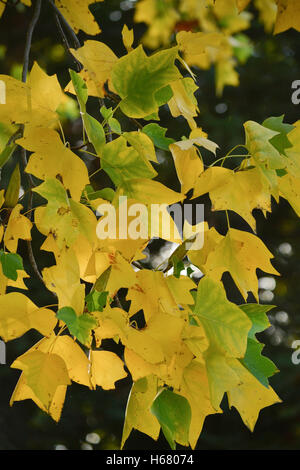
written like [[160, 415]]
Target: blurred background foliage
[[93, 420]]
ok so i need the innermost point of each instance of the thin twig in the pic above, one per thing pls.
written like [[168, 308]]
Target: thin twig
[[66, 24], [32, 25], [66, 42], [118, 302], [31, 28]]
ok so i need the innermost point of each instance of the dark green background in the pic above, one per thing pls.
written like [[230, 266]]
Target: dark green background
[[265, 90]]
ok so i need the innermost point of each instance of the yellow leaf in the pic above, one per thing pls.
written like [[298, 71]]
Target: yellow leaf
[[188, 165], [77, 13], [196, 46], [196, 340], [15, 109], [161, 298], [183, 101], [64, 280], [138, 415], [76, 361], [64, 218], [221, 377], [18, 227], [113, 323], [106, 369], [150, 192], [98, 60], [139, 367], [23, 392], [51, 159], [161, 21], [226, 75], [289, 189], [240, 253], [2, 8], [288, 16], [211, 239], [195, 389], [33, 102], [46, 96], [44, 373], [250, 396], [18, 315], [239, 191], [267, 13], [128, 37]]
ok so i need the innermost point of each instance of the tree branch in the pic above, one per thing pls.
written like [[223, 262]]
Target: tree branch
[[66, 24], [31, 28], [66, 43], [32, 25]]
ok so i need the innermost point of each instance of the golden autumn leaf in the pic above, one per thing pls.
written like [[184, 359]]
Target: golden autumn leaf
[[64, 279], [106, 369], [138, 415], [52, 159], [23, 392], [77, 13], [97, 60], [288, 15], [241, 254], [44, 373], [64, 218], [128, 37], [18, 314], [250, 396], [195, 389], [114, 324], [75, 359], [239, 191], [18, 227]]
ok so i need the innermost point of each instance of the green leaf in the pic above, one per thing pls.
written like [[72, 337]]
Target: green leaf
[[259, 146], [106, 112], [13, 189], [157, 134], [11, 262], [124, 163], [135, 73], [242, 47], [80, 89], [163, 95], [280, 141], [96, 301], [114, 125], [94, 129], [6, 154], [258, 317], [225, 324], [260, 366], [107, 193], [180, 252], [79, 326], [102, 280], [178, 266], [95, 132], [174, 414]]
